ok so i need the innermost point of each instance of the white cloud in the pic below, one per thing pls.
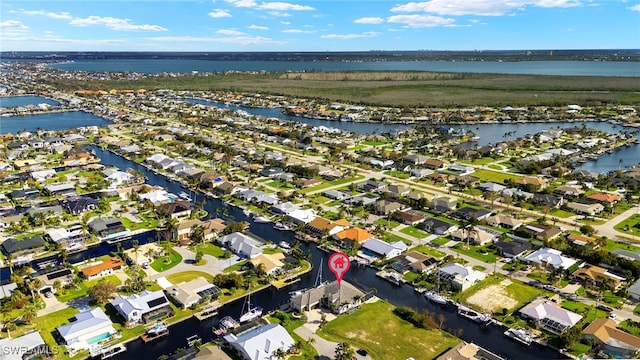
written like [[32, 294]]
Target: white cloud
[[242, 40], [230, 32], [298, 31], [421, 21], [273, 6], [368, 34], [285, 22], [258, 27], [634, 7], [51, 15], [279, 13], [479, 7], [12, 25], [114, 24], [219, 13], [369, 20]]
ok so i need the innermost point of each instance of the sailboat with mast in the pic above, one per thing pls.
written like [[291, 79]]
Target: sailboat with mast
[[435, 295], [249, 312]]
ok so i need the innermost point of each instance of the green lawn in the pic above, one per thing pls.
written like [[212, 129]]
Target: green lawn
[[308, 352], [481, 161], [428, 250], [374, 143], [440, 241], [279, 184], [188, 276], [211, 249], [166, 262], [391, 224], [391, 238], [612, 245], [589, 312], [482, 253], [82, 288], [416, 233], [631, 327], [236, 267], [330, 184], [636, 310], [385, 336], [145, 224], [561, 213], [494, 176], [397, 173], [631, 223]]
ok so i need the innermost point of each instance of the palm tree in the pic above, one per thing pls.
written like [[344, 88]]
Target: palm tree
[[29, 314], [136, 245], [197, 233], [344, 351]]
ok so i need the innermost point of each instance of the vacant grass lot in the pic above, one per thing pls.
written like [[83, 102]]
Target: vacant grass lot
[[498, 287], [385, 336], [494, 176], [399, 89]]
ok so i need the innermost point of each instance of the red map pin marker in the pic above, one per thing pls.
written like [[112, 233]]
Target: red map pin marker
[[339, 264]]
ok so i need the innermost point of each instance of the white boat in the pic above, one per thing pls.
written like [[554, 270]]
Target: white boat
[[473, 315], [285, 245], [184, 196], [520, 335], [247, 212], [228, 322], [281, 226], [250, 312], [435, 297], [261, 219]]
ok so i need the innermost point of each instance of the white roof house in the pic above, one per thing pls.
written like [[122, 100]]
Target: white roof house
[[460, 276], [634, 290], [31, 343], [550, 257], [261, 342], [42, 175], [384, 248], [300, 216], [133, 307], [117, 178], [156, 196], [90, 327], [242, 244], [550, 316]]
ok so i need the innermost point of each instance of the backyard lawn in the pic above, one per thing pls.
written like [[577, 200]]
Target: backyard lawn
[[482, 253], [82, 288], [494, 176], [236, 267], [589, 312], [188, 276], [384, 335]]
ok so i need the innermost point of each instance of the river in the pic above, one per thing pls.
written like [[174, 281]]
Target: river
[[490, 337]]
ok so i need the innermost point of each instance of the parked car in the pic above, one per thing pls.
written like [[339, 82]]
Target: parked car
[[612, 316], [604, 307]]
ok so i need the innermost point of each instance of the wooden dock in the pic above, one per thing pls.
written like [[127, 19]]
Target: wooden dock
[[208, 311], [150, 337]]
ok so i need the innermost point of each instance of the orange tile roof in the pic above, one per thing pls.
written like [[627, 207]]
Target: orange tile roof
[[111, 263], [354, 234], [606, 197]]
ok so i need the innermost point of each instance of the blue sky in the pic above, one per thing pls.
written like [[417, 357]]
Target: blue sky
[[333, 25]]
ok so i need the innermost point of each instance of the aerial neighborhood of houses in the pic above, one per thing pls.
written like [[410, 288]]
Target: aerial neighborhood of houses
[[168, 211]]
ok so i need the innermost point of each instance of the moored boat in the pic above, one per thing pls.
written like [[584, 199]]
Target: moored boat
[[285, 245], [158, 330], [473, 315], [435, 297], [520, 335], [250, 312], [261, 219], [281, 226]]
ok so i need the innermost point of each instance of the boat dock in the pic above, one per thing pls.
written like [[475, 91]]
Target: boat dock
[[193, 339], [208, 311], [473, 315], [106, 352], [391, 276]]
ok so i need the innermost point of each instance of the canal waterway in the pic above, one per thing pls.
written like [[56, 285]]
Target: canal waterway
[[15, 101], [50, 121], [490, 337]]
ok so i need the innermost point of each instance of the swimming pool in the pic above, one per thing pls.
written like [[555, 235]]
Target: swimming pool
[[98, 338]]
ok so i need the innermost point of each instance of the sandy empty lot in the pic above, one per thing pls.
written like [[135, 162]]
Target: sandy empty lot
[[493, 298]]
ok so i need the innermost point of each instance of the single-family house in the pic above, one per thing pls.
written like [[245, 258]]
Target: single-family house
[[548, 257], [568, 191], [461, 277], [491, 186], [438, 227], [242, 245], [612, 341], [336, 195], [42, 175], [605, 198], [585, 209], [411, 217], [420, 173], [28, 346], [331, 295], [271, 263], [189, 293], [79, 205], [634, 291], [581, 240], [543, 231], [107, 227], [384, 249], [504, 221], [145, 307], [419, 262], [284, 208], [62, 189], [467, 213], [433, 163], [415, 159], [260, 342], [547, 200], [443, 205], [352, 235], [175, 209], [300, 216], [89, 327], [550, 316], [474, 235], [28, 245], [596, 275], [397, 190], [104, 268], [325, 227], [385, 207], [372, 185], [512, 249], [533, 182]]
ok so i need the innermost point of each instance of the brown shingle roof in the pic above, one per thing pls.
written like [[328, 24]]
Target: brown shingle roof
[[112, 263]]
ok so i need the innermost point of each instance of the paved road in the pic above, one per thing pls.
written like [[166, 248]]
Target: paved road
[[607, 229], [213, 266]]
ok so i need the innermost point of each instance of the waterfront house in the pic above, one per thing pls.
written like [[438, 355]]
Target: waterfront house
[[272, 263], [79, 205], [107, 227], [88, 328], [225, 188], [325, 227], [116, 178], [29, 346], [261, 342], [195, 291], [142, 308], [384, 249], [605, 198], [461, 277], [549, 316], [596, 275], [103, 268], [213, 227], [468, 351], [175, 209], [242, 245], [352, 235], [300, 216], [68, 238], [612, 341], [512, 249], [183, 230], [331, 295], [416, 262], [549, 258], [29, 245]]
